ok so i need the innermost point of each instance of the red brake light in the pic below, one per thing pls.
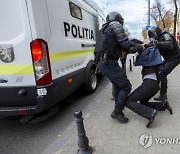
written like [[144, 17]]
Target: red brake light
[[41, 60], [36, 49], [22, 112]]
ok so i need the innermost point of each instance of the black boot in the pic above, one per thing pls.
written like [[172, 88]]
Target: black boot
[[168, 107], [161, 98], [119, 115], [151, 119], [163, 93]]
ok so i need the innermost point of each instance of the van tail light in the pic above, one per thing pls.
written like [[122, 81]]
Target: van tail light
[[41, 60]]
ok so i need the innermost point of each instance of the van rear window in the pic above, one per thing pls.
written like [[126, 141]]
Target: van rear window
[[75, 10]]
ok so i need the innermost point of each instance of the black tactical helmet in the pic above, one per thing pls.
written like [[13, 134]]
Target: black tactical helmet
[[115, 16], [154, 32]]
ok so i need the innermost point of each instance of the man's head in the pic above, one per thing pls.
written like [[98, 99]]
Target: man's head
[[154, 32], [115, 16]]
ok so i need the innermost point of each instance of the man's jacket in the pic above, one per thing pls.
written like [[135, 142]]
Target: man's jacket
[[149, 57]]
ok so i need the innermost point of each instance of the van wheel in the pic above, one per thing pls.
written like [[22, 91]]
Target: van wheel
[[91, 85]]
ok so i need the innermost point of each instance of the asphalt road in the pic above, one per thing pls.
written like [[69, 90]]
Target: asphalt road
[[46, 136]]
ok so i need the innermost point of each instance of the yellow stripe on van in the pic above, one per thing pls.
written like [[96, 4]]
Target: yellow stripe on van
[[9, 69], [56, 56]]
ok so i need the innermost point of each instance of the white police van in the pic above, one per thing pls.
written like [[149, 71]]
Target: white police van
[[46, 52]]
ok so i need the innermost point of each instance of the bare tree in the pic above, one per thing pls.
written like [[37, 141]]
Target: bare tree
[[158, 13], [162, 17], [175, 16], [167, 21]]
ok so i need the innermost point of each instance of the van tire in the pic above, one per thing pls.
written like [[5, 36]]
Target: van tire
[[91, 84]]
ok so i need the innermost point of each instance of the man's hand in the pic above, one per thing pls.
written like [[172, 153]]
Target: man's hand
[[143, 45], [155, 43]]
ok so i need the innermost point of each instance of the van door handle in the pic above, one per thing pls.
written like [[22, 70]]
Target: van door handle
[[88, 45]]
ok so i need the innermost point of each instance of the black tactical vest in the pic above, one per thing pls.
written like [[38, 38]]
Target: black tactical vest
[[111, 45]]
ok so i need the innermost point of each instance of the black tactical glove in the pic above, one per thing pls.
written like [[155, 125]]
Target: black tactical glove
[[136, 48], [155, 43]]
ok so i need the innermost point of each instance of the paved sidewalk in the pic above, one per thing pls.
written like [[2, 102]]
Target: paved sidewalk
[[108, 136]]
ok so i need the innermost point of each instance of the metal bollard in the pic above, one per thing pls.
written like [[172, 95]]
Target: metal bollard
[[83, 142], [130, 65]]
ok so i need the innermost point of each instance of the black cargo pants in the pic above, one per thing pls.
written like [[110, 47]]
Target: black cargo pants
[[168, 66], [123, 66], [122, 86]]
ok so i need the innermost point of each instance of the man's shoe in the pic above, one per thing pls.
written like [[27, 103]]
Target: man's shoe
[[151, 119], [119, 116], [168, 107]]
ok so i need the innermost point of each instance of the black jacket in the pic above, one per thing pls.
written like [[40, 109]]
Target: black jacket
[[168, 46], [117, 40]]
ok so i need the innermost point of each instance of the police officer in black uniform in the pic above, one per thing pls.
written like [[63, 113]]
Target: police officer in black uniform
[[170, 51], [115, 43]]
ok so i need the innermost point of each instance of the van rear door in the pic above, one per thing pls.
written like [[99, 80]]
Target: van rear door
[[16, 68], [15, 37]]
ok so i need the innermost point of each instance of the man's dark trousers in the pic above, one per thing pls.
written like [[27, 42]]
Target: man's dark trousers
[[143, 93]]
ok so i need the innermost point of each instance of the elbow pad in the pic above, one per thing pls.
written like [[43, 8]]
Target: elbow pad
[[167, 43], [118, 31]]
